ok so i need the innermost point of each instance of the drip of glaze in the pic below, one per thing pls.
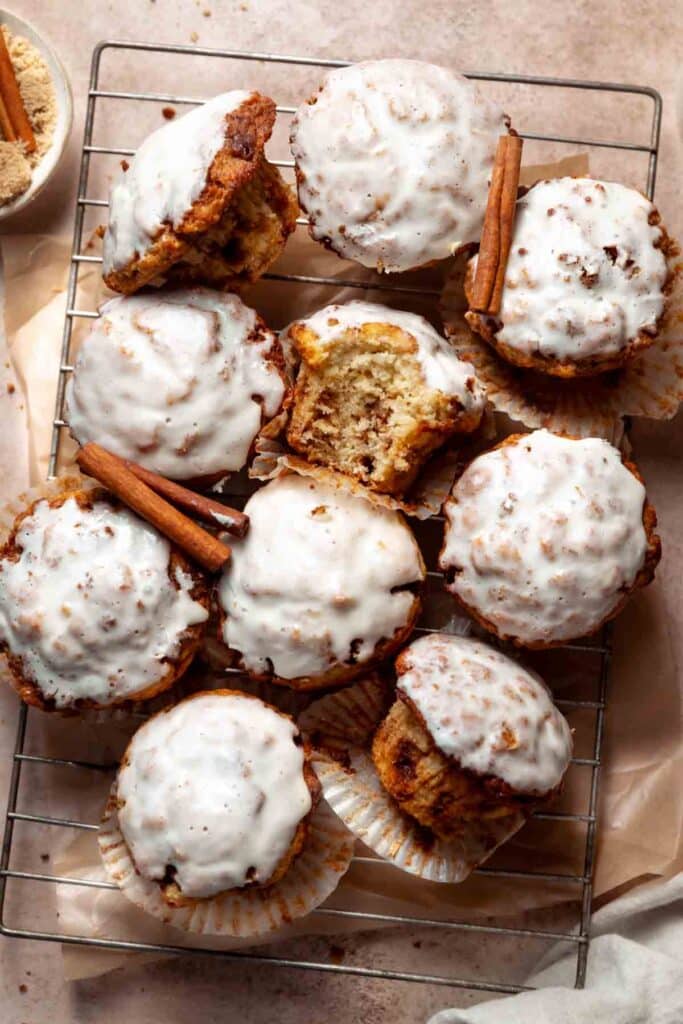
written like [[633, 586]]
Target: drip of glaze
[[165, 177], [214, 788], [584, 275], [89, 607], [394, 159], [487, 712], [179, 382], [543, 536], [317, 580]]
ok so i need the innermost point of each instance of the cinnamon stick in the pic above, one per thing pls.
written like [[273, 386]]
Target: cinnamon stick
[[508, 208], [207, 509], [6, 125], [496, 236], [489, 246], [12, 101], [111, 471]]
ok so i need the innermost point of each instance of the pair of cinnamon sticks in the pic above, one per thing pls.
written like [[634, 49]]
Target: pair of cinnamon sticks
[[146, 493], [496, 236], [14, 120]]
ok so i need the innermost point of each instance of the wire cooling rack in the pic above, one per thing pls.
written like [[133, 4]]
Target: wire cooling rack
[[130, 78]]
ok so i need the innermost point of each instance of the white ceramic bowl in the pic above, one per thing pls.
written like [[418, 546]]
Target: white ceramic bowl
[[47, 166]]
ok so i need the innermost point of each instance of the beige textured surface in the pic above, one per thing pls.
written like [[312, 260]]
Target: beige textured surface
[[614, 40]]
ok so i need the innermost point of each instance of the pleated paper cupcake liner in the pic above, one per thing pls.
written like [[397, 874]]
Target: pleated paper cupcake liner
[[425, 497], [650, 385], [340, 727], [239, 913]]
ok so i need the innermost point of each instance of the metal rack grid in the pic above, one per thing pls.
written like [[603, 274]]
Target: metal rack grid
[[578, 883]]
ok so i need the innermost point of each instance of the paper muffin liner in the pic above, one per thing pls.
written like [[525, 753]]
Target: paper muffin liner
[[425, 497], [341, 727], [650, 385], [240, 913]]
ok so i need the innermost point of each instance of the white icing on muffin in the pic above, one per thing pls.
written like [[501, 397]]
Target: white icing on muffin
[[443, 370], [213, 788], [89, 607], [485, 711], [178, 381], [393, 162], [165, 177], [544, 535], [584, 276], [313, 585]]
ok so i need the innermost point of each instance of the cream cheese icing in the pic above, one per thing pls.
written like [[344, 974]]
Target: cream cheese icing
[[486, 712], [178, 381], [89, 607], [543, 536], [393, 161], [584, 275], [164, 178], [442, 369], [316, 581], [213, 788]]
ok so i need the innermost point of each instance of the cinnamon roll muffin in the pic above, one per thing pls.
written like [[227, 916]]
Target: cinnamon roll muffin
[[393, 160], [199, 202], [587, 279], [323, 586], [215, 794], [547, 536], [181, 382], [96, 607], [472, 736], [377, 391]]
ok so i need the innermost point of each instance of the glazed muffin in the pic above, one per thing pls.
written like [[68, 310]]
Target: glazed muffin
[[377, 391], [96, 607], [393, 160], [181, 382], [586, 282], [215, 794], [323, 586], [472, 736], [547, 536], [199, 202]]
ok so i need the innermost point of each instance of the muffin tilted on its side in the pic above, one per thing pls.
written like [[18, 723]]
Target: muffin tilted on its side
[[586, 282], [199, 201], [215, 794], [547, 536], [96, 607], [324, 585], [179, 381], [472, 736], [393, 159], [377, 391]]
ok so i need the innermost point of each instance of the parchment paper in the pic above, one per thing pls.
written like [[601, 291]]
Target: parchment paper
[[641, 803]]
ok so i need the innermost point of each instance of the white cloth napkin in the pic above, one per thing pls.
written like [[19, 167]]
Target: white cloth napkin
[[635, 970]]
